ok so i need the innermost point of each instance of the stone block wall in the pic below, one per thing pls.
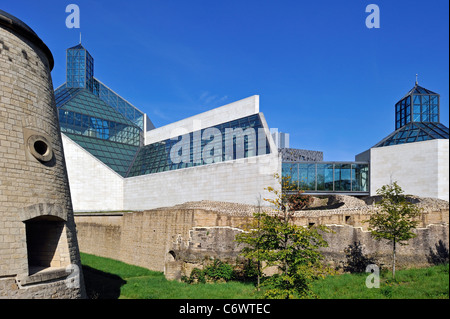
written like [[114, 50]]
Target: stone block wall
[[177, 239], [33, 178], [151, 238]]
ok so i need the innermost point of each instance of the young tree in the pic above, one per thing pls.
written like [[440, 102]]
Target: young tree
[[274, 240], [394, 219]]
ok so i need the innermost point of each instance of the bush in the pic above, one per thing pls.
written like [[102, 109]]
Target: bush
[[299, 201], [441, 255], [216, 271], [356, 260], [196, 276], [219, 270]]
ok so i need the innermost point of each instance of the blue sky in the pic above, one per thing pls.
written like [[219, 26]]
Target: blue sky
[[321, 74]]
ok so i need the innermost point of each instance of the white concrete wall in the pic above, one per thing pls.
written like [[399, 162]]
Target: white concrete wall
[[443, 169], [239, 181], [226, 113], [93, 185], [420, 168]]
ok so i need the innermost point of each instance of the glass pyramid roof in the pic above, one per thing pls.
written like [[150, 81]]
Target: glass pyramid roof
[[117, 156], [77, 47], [83, 101], [416, 132], [417, 89]]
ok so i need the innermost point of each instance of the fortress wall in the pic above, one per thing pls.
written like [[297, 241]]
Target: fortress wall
[[37, 230], [415, 254], [146, 238], [175, 240]]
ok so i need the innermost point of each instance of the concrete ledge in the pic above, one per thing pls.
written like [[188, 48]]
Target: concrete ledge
[[44, 275], [84, 214]]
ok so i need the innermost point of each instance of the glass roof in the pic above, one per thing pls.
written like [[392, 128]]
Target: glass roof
[[417, 89], [117, 156], [77, 47], [416, 132], [83, 101], [118, 103], [154, 158]]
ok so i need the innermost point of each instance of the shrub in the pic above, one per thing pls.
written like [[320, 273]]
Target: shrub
[[299, 201], [219, 270], [441, 255], [356, 260], [216, 271], [196, 276]]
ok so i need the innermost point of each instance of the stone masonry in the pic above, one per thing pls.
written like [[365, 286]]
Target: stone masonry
[[39, 256], [177, 239]]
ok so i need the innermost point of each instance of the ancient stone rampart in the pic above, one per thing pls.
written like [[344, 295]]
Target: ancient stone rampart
[[38, 246], [177, 239]]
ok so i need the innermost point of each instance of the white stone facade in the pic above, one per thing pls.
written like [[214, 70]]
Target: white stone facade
[[240, 181], [420, 168], [226, 113], [93, 185]]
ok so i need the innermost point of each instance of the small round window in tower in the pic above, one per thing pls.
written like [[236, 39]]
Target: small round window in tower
[[40, 148]]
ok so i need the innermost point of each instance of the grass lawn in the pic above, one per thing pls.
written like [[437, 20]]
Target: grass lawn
[[422, 283], [110, 279], [106, 278]]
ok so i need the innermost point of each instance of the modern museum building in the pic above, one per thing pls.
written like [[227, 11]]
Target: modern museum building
[[117, 160]]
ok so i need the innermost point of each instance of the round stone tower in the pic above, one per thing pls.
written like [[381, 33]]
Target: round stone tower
[[39, 256]]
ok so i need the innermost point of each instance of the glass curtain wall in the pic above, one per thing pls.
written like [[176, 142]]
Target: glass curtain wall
[[80, 68], [219, 146], [327, 177]]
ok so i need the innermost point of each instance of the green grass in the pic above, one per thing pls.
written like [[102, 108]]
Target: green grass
[[111, 279], [107, 278], [422, 283]]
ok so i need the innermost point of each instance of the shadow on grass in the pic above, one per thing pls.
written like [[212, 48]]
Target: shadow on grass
[[101, 285]]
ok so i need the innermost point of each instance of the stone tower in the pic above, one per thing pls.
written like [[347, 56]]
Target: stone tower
[[39, 255]]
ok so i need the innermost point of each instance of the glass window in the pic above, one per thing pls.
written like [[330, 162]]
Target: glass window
[[325, 177], [360, 177], [434, 100], [416, 117], [290, 176], [434, 109], [307, 176], [342, 177]]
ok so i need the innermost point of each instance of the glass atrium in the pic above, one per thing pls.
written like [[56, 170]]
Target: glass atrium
[[326, 177], [419, 105], [112, 129], [417, 117], [80, 74]]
